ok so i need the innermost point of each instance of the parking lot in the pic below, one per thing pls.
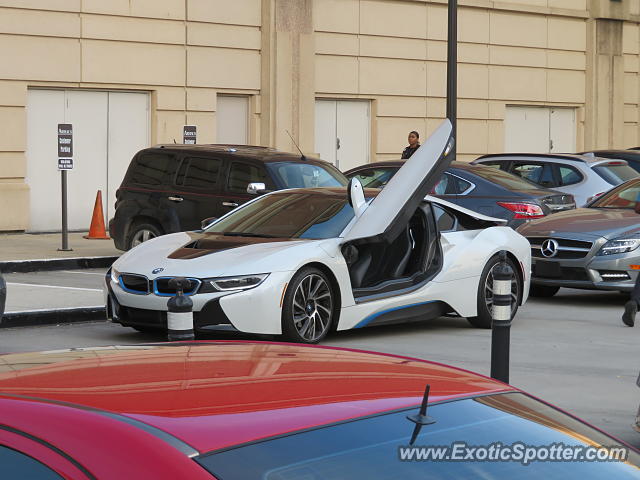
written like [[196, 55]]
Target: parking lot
[[571, 350]]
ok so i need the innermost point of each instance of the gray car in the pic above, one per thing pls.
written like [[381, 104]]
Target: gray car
[[584, 176], [592, 248]]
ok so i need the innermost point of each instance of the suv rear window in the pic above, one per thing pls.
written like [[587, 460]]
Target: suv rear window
[[150, 169], [202, 173], [615, 173]]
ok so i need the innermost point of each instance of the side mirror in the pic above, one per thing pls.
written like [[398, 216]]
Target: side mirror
[[256, 188], [207, 221]]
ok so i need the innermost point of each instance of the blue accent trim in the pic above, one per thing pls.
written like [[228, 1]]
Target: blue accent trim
[[373, 316], [128, 290], [192, 292]]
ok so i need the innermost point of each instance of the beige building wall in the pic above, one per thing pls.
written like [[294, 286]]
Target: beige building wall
[[393, 52], [284, 54]]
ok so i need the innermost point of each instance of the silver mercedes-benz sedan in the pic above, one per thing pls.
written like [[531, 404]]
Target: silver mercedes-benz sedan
[[596, 247]]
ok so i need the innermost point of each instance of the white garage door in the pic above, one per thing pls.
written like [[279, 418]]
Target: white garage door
[[343, 132], [108, 128], [540, 129], [232, 119]]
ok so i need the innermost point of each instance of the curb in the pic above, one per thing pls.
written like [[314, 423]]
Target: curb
[[31, 318], [27, 266]]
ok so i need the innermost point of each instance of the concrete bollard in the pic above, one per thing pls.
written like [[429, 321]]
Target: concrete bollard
[[3, 295], [180, 312], [501, 319]]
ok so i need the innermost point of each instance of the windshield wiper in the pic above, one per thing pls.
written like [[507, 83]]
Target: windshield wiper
[[247, 234]]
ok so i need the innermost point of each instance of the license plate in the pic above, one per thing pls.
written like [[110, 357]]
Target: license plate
[[548, 270]]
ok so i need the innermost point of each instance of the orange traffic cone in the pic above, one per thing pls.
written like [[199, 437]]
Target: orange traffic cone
[[97, 230]]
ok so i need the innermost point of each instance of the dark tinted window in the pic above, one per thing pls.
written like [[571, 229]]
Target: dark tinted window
[[451, 185], [242, 174], [370, 448], [289, 215], [16, 465], [150, 169], [569, 175], [615, 173], [444, 219], [306, 175], [375, 177], [540, 173], [202, 173]]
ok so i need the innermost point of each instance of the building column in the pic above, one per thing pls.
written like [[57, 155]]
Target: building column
[[288, 70], [604, 112]]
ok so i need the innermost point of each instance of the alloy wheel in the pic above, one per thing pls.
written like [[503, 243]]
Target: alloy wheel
[[312, 307], [142, 236]]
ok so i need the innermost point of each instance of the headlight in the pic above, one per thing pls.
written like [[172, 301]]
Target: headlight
[[227, 284], [620, 245], [115, 275]]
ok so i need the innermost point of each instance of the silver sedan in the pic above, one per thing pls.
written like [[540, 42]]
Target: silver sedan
[[596, 247]]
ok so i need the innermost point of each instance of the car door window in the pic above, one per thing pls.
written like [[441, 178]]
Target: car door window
[[18, 465], [242, 174], [446, 222], [150, 168], [568, 175], [202, 173], [375, 177], [451, 185], [538, 173]]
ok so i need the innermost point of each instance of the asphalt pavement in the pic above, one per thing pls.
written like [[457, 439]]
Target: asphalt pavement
[[571, 350], [54, 290]]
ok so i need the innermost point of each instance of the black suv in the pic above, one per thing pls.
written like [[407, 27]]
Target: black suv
[[173, 188]]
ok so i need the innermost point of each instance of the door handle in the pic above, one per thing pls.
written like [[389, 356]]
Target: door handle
[[230, 204], [176, 199]]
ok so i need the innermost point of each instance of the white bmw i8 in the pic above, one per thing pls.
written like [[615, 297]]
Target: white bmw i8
[[303, 262]]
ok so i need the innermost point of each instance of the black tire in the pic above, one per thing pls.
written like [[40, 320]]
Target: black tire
[[141, 232], [542, 291], [311, 298], [483, 320]]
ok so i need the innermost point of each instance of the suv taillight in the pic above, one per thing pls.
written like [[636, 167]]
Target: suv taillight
[[523, 210]]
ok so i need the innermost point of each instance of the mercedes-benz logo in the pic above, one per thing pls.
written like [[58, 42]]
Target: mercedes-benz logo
[[549, 248]]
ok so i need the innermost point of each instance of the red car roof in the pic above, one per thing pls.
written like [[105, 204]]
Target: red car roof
[[212, 395]]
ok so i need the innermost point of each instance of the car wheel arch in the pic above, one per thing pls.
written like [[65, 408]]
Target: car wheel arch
[[334, 283]]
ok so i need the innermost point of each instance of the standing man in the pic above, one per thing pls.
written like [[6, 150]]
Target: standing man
[[414, 144]]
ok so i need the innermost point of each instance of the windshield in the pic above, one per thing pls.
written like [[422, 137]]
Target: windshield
[[289, 215], [615, 173], [306, 175], [502, 178], [620, 198], [375, 448]]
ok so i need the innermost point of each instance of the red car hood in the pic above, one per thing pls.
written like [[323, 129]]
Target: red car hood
[[217, 394]]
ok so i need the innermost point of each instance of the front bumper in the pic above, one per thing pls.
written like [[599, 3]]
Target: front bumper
[[592, 272], [256, 310]]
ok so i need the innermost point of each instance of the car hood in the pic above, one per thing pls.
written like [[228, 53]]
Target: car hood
[[589, 222], [205, 254]]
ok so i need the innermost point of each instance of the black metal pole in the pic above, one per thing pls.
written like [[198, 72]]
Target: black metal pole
[[501, 319], [452, 71], [65, 220]]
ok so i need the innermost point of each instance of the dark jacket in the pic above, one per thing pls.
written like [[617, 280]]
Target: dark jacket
[[409, 151]]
